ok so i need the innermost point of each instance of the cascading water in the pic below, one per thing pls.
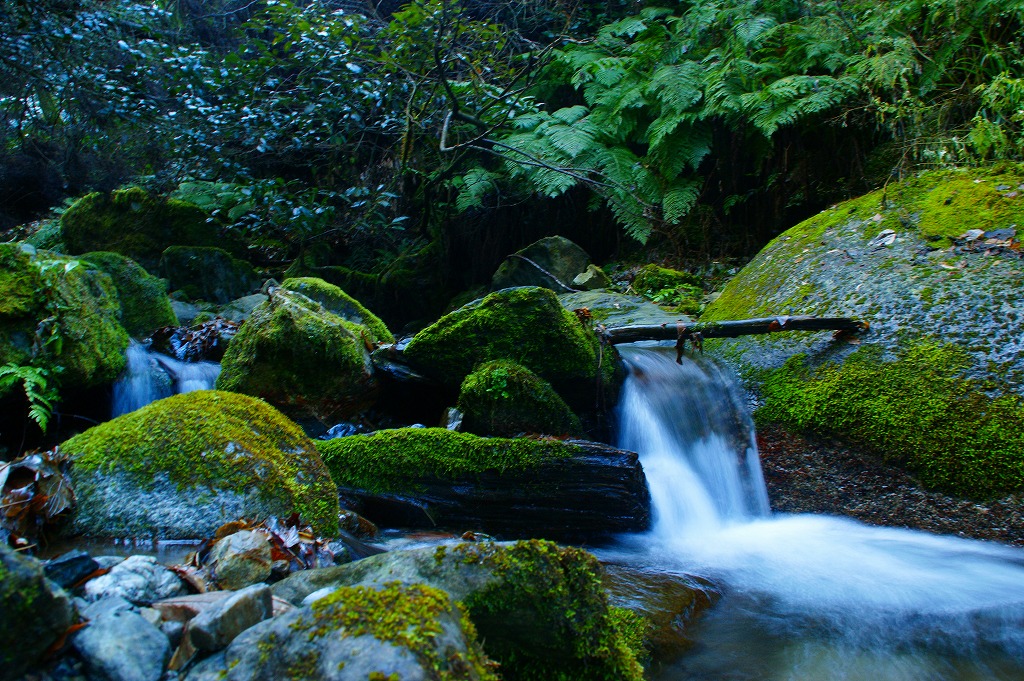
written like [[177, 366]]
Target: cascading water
[[806, 597], [150, 376]]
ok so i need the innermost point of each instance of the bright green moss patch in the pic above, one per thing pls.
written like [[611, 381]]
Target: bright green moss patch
[[213, 440], [526, 325], [545, 617], [396, 460], [19, 283], [505, 399], [407, 616], [145, 306], [300, 357], [918, 410], [340, 303]]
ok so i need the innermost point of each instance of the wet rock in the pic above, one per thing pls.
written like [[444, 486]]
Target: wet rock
[[123, 646], [513, 487], [406, 632], [594, 278], [104, 606], [139, 579], [217, 626], [70, 568], [241, 559], [184, 465], [552, 262], [143, 297], [35, 612], [517, 595]]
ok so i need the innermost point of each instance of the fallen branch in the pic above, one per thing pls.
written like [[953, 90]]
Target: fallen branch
[[696, 332]]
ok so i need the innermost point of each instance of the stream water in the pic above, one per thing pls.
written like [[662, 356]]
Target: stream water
[[150, 376], [805, 597]]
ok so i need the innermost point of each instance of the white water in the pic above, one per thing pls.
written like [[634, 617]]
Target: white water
[[807, 597], [150, 376]]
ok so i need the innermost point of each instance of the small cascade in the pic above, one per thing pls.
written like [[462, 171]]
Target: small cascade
[[807, 597], [150, 376]]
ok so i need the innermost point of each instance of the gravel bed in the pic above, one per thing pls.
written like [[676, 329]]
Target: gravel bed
[[812, 475]]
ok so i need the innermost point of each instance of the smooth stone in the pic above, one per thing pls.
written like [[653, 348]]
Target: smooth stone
[[241, 559], [105, 606], [123, 646], [70, 568], [218, 625], [139, 579]]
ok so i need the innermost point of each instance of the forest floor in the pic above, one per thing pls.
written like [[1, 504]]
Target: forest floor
[[817, 475]]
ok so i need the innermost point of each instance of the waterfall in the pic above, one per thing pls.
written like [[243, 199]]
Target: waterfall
[[150, 376], [808, 597]]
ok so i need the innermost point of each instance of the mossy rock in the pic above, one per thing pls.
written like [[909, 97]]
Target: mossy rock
[[134, 223], [302, 359], [672, 288], [207, 273], [145, 306], [526, 325], [396, 460], [59, 314], [885, 258], [539, 608], [182, 466], [35, 613], [552, 262], [340, 303], [505, 399]]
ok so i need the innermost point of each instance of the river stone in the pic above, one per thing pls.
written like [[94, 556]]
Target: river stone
[[241, 559], [34, 612], [70, 568], [123, 646], [552, 262], [592, 279], [217, 626], [302, 358], [184, 465], [889, 258], [207, 273], [409, 632], [615, 310], [104, 606], [139, 579], [517, 595]]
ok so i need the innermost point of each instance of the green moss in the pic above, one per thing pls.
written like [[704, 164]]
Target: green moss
[[300, 357], [526, 325], [546, 616], [917, 410], [407, 616], [145, 306], [505, 399], [651, 279], [955, 203], [19, 283], [340, 303], [214, 440], [134, 223], [397, 460]]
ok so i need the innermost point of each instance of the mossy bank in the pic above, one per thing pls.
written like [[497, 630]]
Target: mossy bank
[[945, 317]]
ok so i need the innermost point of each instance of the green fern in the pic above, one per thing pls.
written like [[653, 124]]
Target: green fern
[[40, 388]]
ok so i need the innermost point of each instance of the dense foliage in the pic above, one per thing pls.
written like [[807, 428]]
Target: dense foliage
[[297, 122]]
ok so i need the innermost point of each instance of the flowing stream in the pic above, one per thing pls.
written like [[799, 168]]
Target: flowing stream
[[805, 597], [151, 376]]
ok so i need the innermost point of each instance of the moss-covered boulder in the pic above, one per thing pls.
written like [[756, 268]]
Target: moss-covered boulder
[[145, 306], [552, 262], [34, 613], [505, 399], [135, 223], [303, 359], [207, 273], [526, 325], [929, 261], [515, 487], [539, 608], [184, 465], [58, 313], [377, 632], [340, 303]]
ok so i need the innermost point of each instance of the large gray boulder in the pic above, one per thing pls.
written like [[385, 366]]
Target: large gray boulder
[[552, 262], [409, 632]]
